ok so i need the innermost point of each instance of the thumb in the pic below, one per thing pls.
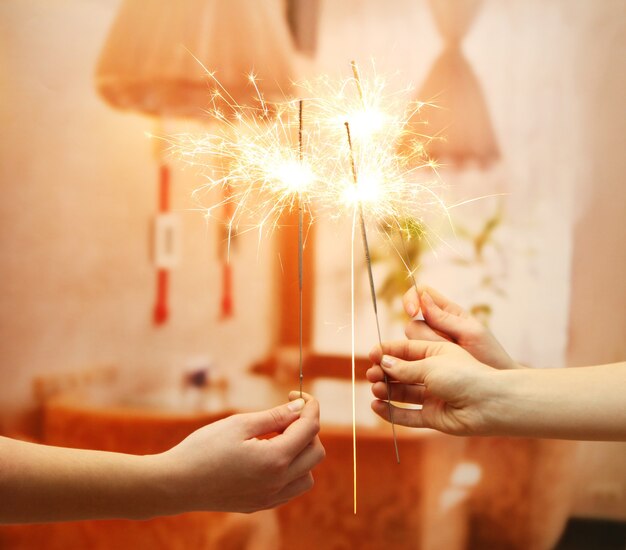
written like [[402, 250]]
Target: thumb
[[273, 420]]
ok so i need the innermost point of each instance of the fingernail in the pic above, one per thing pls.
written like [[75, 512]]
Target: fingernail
[[387, 361], [297, 405], [411, 309]]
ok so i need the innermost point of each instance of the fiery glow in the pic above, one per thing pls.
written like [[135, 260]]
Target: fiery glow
[[268, 162], [395, 178], [254, 153]]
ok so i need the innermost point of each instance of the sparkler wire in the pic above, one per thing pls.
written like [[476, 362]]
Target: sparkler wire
[[300, 241], [368, 260], [353, 359]]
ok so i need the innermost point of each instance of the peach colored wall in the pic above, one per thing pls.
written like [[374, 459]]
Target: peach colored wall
[[78, 186], [79, 189], [598, 300]]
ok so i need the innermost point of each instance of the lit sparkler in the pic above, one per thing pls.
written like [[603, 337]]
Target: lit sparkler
[[262, 172], [252, 154], [368, 262]]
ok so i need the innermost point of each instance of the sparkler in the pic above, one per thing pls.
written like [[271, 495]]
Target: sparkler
[[300, 246], [263, 173], [251, 154], [266, 175], [368, 261], [357, 79]]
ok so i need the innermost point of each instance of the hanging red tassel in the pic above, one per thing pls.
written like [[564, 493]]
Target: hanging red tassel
[[227, 296], [225, 240], [161, 311]]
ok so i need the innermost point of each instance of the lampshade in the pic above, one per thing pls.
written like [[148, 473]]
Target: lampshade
[[153, 58], [455, 109]]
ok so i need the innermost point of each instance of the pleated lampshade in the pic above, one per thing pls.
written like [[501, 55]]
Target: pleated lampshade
[[156, 53]]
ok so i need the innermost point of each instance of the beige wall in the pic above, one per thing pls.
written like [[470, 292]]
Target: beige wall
[[598, 300], [79, 189], [78, 184]]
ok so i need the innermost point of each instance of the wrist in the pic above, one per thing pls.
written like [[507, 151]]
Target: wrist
[[496, 401], [166, 493]]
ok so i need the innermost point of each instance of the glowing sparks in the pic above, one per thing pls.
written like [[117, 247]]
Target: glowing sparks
[[258, 159], [266, 165], [397, 180], [254, 153]]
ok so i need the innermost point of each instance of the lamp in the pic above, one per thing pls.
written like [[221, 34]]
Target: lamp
[[154, 61], [154, 57]]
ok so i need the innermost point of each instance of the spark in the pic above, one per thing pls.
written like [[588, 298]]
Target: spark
[[256, 154], [253, 153], [397, 180]]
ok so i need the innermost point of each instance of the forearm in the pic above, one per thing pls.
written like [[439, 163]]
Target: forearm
[[585, 403], [40, 483]]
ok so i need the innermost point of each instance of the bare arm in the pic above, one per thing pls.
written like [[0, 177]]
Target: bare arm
[[40, 483], [587, 403], [224, 466]]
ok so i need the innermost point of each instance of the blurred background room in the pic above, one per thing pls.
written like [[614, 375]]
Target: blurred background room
[[123, 325]]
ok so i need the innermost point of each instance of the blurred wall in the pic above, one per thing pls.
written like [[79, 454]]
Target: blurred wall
[[79, 190], [598, 300], [78, 183], [554, 76]]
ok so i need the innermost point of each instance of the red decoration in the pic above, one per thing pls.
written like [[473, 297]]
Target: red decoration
[[226, 239], [161, 310]]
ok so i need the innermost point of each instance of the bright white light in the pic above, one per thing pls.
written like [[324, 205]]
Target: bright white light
[[368, 190], [293, 175]]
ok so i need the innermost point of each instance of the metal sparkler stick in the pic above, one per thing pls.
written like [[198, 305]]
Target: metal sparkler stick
[[372, 287], [407, 259], [300, 241]]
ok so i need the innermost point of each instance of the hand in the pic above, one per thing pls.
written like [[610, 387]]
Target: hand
[[225, 467], [446, 321], [450, 385]]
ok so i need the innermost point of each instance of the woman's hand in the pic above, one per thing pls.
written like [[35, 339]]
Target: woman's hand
[[225, 466], [453, 388], [461, 396]]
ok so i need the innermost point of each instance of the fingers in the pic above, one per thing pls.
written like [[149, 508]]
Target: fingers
[[295, 488], [407, 372], [299, 434], [449, 321], [410, 350], [272, 420], [413, 301], [410, 302], [413, 418], [441, 314], [441, 301], [402, 393], [295, 394], [308, 459], [405, 361], [311, 408], [375, 374], [419, 330]]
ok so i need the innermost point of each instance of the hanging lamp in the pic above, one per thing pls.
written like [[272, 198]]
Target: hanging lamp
[[154, 62]]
